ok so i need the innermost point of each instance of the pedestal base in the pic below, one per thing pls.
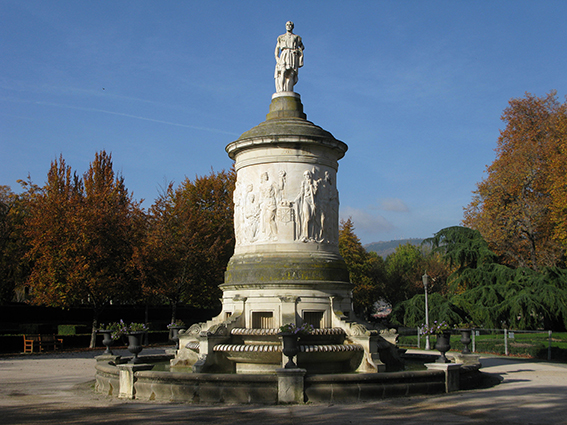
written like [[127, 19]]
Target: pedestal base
[[290, 386], [452, 374]]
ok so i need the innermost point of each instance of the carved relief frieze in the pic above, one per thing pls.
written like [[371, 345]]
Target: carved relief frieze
[[285, 203]]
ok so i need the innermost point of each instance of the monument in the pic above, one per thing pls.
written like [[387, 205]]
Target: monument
[[286, 266]]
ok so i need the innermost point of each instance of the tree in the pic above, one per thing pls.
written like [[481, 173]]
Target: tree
[[411, 312], [366, 270], [492, 294], [14, 269], [82, 233], [558, 178], [519, 208], [404, 268], [464, 251], [189, 241]]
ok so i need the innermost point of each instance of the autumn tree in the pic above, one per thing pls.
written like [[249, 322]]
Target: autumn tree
[[520, 207], [82, 232], [189, 241], [366, 270], [558, 179], [14, 268]]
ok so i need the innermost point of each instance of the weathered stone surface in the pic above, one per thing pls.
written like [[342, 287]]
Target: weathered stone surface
[[350, 388], [290, 385], [452, 374], [127, 378]]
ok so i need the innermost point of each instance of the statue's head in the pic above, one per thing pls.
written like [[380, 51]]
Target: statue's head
[[289, 26]]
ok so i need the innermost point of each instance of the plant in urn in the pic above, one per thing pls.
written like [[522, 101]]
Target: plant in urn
[[290, 334]]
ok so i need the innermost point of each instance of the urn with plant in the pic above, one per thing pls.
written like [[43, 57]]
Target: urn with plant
[[290, 334], [442, 330]]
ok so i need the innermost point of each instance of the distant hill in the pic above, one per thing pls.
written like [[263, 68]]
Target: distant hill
[[383, 249]]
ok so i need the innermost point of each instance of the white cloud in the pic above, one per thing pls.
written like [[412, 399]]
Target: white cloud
[[366, 224], [393, 204]]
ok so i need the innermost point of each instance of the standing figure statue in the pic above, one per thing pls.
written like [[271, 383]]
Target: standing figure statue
[[268, 208], [289, 58], [305, 204]]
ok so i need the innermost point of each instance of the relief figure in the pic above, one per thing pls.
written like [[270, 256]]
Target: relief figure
[[306, 208], [251, 215]]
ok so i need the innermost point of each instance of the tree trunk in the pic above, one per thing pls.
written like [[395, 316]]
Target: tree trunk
[[146, 337], [173, 311]]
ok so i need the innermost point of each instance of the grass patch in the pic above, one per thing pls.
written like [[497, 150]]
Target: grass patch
[[522, 344]]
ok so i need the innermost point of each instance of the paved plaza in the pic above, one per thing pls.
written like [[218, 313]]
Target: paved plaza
[[58, 389]]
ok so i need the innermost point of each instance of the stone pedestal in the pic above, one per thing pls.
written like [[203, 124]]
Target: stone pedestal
[[127, 378], [108, 358], [171, 351], [286, 260], [467, 359], [452, 374], [290, 386], [286, 266]]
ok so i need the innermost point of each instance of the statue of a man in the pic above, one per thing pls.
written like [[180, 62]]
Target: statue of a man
[[289, 58]]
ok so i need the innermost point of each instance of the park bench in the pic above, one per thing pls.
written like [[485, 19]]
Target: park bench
[[40, 343]]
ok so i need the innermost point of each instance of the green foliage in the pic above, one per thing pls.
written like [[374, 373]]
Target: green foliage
[[411, 312], [494, 295], [366, 270], [383, 249], [462, 247], [72, 329], [518, 298], [404, 269], [436, 328], [292, 328]]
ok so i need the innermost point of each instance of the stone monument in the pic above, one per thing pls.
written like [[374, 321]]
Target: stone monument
[[286, 266]]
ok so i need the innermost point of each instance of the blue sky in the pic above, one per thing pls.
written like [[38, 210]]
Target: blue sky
[[415, 88]]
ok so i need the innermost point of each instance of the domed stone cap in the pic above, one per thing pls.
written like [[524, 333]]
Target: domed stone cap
[[286, 122]]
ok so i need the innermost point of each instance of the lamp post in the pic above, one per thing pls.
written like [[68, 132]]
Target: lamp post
[[425, 280]]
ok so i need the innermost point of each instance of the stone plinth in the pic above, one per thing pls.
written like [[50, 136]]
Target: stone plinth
[[290, 385], [108, 358], [467, 359], [127, 378], [452, 374]]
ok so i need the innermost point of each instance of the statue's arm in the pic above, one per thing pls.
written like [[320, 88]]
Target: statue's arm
[[277, 51]]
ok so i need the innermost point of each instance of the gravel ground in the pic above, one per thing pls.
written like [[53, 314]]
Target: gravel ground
[[58, 389]]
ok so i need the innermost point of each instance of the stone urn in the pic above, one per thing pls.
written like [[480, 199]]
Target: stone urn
[[290, 348], [106, 339], [466, 340], [135, 344], [175, 335], [443, 345]]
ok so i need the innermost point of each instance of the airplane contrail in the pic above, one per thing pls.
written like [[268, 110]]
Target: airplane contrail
[[80, 108]]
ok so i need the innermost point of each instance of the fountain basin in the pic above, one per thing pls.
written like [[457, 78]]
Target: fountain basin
[[263, 388]]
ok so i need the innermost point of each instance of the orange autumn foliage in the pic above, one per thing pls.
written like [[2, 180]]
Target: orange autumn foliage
[[519, 208]]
